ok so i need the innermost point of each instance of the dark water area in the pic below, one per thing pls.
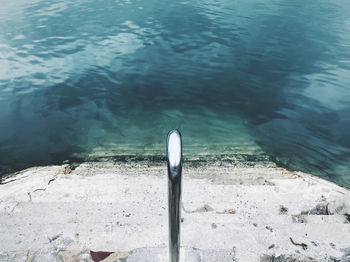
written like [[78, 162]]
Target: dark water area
[[84, 79]]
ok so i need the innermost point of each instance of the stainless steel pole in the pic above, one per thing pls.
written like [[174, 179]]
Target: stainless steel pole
[[174, 153]]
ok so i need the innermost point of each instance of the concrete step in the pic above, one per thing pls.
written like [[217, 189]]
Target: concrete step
[[229, 214], [146, 254], [109, 235], [149, 192], [127, 212], [319, 239]]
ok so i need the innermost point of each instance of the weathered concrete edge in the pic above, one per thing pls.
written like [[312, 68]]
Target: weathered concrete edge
[[216, 169]]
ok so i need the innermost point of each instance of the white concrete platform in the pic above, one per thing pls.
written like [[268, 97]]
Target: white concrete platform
[[230, 213]]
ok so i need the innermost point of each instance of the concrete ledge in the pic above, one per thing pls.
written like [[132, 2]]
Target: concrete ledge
[[230, 213]]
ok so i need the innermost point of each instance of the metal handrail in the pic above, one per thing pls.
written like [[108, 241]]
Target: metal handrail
[[174, 156]]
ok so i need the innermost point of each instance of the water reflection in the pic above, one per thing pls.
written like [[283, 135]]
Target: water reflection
[[87, 78]]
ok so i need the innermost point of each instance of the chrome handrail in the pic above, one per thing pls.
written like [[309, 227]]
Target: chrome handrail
[[174, 153]]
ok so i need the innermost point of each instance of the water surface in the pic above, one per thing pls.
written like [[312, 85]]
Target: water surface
[[81, 79]]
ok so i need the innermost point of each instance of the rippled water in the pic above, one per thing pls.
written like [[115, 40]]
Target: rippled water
[[83, 79]]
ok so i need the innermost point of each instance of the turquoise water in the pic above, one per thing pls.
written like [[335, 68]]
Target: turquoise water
[[87, 79]]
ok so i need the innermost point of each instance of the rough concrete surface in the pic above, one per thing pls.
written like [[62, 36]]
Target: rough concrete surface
[[118, 212]]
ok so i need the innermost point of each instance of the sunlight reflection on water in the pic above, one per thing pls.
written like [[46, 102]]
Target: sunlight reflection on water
[[85, 78]]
